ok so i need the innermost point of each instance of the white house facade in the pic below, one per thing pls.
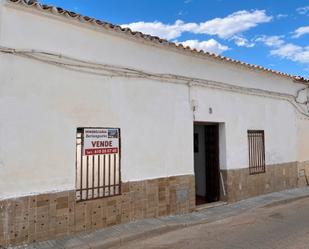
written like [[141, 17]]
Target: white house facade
[[182, 127]]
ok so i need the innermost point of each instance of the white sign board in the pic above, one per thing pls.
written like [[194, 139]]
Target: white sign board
[[99, 141]]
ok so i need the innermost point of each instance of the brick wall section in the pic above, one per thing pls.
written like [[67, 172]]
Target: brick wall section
[[239, 184], [46, 216]]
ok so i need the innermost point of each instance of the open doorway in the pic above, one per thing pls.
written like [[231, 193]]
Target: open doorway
[[206, 162]]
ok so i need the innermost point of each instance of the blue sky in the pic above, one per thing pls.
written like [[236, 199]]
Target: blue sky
[[271, 33]]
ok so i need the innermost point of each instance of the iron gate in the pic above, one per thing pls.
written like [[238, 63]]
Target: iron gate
[[97, 176]]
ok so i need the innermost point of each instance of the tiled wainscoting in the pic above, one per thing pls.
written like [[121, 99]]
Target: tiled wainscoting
[[46, 216], [239, 184]]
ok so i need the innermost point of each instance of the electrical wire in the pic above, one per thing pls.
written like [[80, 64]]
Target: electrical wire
[[107, 70]]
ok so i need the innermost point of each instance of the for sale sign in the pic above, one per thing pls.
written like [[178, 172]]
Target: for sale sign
[[99, 141]]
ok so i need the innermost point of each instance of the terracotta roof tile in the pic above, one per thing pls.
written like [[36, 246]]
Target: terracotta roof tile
[[116, 28]]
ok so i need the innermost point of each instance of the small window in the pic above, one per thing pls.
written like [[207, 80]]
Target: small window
[[256, 151], [97, 163]]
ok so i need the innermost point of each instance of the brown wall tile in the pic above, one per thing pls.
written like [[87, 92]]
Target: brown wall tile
[[239, 184], [46, 216]]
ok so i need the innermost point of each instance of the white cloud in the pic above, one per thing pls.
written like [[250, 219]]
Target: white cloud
[[233, 24], [166, 31], [286, 50], [242, 42], [226, 27], [303, 10], [210, 45], [281, 16], [301, 31], [271, 41], [292, 52]]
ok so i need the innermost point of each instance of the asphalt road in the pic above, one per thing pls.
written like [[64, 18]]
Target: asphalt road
[[284, 226]]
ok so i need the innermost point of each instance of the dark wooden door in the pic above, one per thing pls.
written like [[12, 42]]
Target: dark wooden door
[[212, 162]]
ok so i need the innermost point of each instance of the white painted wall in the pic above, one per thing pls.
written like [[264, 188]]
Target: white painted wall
[[244, 112], [303, 139], [41, 106]]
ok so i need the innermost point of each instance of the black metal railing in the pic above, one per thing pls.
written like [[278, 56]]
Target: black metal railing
[[256, 143], [97, 176]]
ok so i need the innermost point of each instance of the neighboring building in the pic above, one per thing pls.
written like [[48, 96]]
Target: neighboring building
[[184, 122]]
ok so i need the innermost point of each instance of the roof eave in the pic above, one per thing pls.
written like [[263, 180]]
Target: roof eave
[[128, 33]]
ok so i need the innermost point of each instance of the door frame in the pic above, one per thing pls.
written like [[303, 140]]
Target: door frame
[[218, 187]]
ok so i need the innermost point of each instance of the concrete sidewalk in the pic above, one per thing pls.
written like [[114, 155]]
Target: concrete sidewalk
[[120, 234]]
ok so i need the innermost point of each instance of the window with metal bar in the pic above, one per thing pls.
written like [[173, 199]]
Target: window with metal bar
[[256, 143], [97, 175]]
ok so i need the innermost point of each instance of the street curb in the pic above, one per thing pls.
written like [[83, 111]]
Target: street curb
[[104, 244], [150, 233], [118, 241], [286, 201]]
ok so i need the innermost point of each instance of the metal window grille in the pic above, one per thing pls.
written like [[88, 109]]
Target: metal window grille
[[97, 176], [256, 151]]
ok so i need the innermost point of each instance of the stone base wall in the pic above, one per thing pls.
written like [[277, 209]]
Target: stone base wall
[[239, 184], [303, 171], [47, 216]]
